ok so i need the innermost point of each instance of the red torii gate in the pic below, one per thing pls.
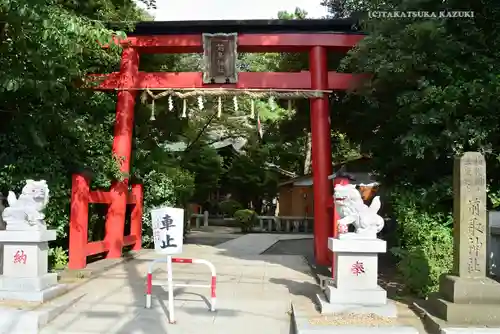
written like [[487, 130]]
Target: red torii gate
[[313, 36]]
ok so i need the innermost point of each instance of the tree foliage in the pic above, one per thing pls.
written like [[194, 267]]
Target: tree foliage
[[429, 95], [51, 128]]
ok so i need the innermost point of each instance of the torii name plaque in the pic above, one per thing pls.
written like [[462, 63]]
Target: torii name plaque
[[219, 54]]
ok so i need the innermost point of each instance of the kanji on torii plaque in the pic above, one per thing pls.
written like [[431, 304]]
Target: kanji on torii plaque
[[219, 55]]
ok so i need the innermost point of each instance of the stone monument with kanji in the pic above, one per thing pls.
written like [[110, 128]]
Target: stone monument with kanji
[[467, 296]]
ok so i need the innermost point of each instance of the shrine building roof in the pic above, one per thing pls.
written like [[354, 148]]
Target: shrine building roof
[[346, 26]]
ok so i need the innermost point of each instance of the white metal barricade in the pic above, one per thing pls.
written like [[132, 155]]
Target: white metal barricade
[[169, 260]]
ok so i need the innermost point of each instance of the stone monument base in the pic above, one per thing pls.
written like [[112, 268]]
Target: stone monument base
[[31, 289], [469, 290], [474, 301], [27, 319], [28, 283], [35, 296], [462, 302]]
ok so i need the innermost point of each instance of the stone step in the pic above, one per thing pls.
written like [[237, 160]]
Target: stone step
[[470, 314], [386, 310], [30, 319]]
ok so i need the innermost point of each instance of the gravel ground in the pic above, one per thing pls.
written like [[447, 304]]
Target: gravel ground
[[352, 319]]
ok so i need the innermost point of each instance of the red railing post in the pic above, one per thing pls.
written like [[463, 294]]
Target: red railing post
[[122, 150], [136, 216], [78, 222], [321, 154]]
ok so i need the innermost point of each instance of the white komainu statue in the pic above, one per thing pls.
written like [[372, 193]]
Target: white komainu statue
[[26, 212], [352, 210]]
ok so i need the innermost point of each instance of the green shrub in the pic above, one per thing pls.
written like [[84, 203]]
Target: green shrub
[[425, 249], [229, 207], [246, 218], [58, 258], [170, 187]]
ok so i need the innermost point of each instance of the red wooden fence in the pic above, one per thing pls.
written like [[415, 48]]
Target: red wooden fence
[[81, 197]]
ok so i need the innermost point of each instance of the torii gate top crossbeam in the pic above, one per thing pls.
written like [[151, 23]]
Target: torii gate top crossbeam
[[347, 25], [253, 35]]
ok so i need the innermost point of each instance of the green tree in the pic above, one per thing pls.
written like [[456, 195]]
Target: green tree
[[428, 94], [49, 126], [288, 134], [431, 93], [248, 178], [52, 127]]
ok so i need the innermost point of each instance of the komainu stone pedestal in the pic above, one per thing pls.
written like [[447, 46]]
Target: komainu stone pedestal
[[355, 288], [25, 259]]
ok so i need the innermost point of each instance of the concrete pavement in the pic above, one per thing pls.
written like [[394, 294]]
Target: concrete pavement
[[254, 293]]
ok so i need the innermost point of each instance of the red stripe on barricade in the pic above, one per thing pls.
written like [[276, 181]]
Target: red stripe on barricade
[[181, 260], [214, 279], [149, 284]]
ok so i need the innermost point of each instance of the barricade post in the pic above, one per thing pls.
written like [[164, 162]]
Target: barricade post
[[213, 281]]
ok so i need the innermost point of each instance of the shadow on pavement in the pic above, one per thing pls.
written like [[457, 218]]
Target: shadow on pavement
[[132, 317], [306, 289]]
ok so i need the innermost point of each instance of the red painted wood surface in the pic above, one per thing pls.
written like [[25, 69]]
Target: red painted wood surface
[[321, 154], [129, 240], [136, 217], [271, 42], [78, 222], [81, 197], [96, 247], [246, 80], [104, 197], [122, 150]]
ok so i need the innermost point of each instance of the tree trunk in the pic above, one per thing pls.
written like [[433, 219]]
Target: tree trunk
[[308, 160]]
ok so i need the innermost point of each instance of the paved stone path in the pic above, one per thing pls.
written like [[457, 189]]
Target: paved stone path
[[307, 310], [254, 293]]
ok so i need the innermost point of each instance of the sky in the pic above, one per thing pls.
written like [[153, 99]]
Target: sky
[[184, 10]]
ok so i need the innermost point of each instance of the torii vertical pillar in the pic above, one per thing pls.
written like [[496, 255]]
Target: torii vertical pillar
[[122, 150], [321, 154]]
